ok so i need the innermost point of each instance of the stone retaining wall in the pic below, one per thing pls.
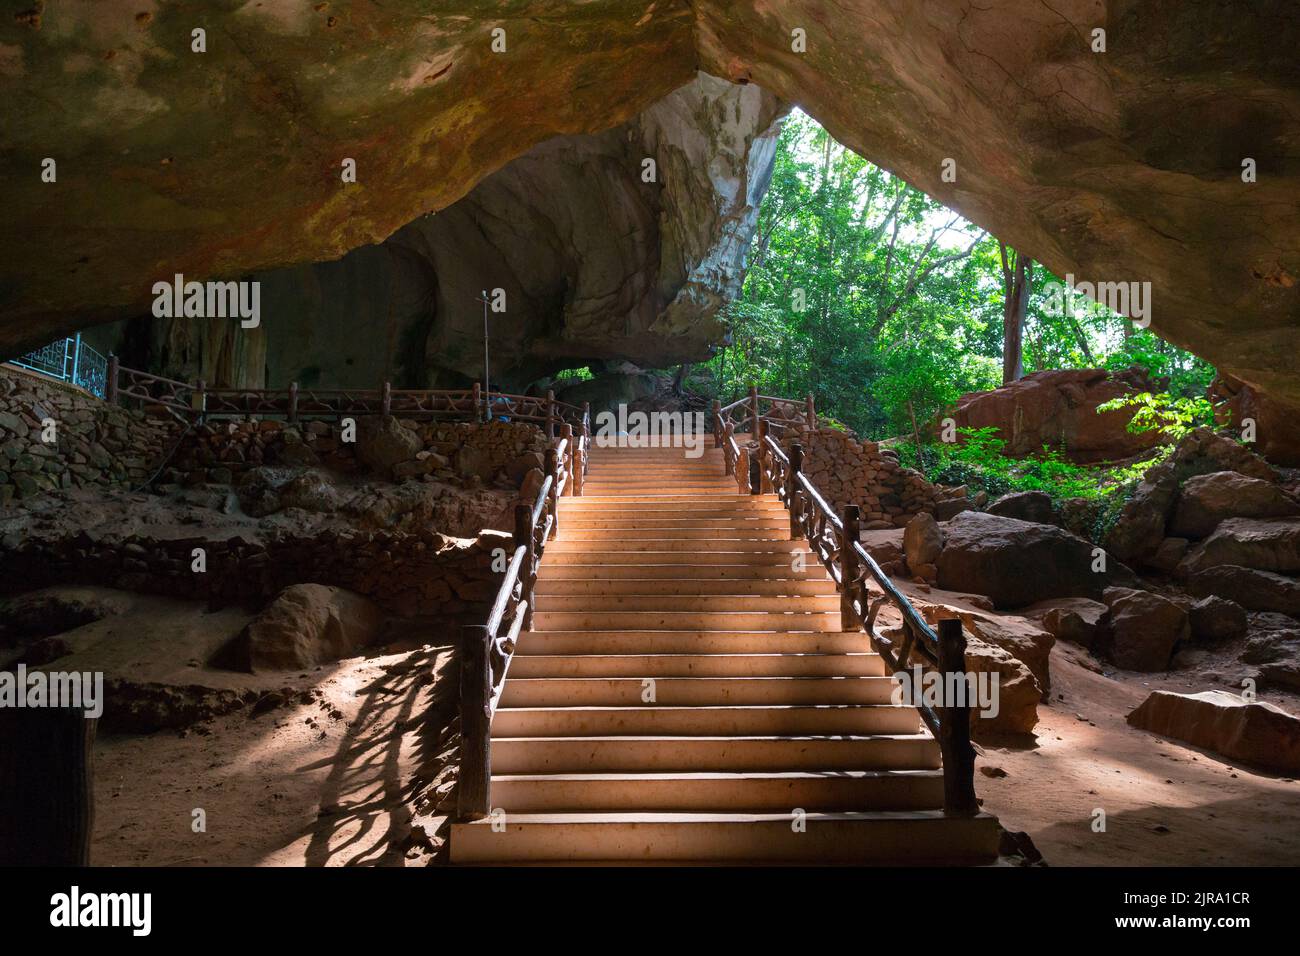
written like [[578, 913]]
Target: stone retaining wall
[[95, 443], [848, 471]]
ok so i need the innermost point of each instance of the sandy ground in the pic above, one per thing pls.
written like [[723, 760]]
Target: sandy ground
[[1165, 803], [329, 779]]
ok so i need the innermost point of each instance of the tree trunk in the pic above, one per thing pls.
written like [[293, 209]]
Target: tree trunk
[[1015, 306]]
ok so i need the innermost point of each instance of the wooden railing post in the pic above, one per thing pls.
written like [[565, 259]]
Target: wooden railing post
[[571, 456], [811, 413], [753, 409], [480, 413], [110, 381], [293, 401], [755, 475], [954, 726], [793, 491], [550, 414], [386, 399], [472, 794], [764, 483], [850, 517], [728, 464], [524, 534], [717, 423], [552, 472]]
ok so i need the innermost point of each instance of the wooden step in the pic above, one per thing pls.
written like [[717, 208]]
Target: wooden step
[[512, 755], [702, 792], [685, 621], [863, 664], [577, 587], [682, 570], [562, 543], [713, 603], [780, 560], [731, 721], [537, 643], [871, 837], [693, 691], [706, 532]]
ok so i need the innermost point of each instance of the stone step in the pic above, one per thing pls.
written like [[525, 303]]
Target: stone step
[[869, 837]]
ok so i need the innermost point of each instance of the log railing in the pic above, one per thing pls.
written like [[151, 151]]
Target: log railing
[[200, 402], [486, 650], [762, 465]]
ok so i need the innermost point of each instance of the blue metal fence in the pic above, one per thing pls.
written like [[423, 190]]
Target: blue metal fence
[[69, 360]]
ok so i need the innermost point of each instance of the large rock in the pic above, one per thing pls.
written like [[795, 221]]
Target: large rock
[[1079, 180], [1214, 619], [922, 541], [1077, 620], [1018, 693], [1254, 733], [1276, 424], [1058, 410], [306, 625], [1140, 528], [384, 443], [1022, 639], [1145, 629], [1205, 500], [1018, 562], [1263, 544], [1033, 506], [1253, 590]]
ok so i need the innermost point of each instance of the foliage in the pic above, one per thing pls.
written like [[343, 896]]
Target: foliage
[[1171, 417], [884, 305]]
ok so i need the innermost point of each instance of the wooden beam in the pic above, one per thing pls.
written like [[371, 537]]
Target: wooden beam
[[954, 727], [474, 782]]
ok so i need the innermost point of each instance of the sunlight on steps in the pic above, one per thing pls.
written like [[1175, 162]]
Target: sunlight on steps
[[686, 695]]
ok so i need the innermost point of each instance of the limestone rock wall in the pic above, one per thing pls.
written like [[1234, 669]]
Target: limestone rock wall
[[1122, 166]]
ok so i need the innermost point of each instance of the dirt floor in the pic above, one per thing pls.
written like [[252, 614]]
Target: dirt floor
[[1165, 803], [332, 777], [333, 781]]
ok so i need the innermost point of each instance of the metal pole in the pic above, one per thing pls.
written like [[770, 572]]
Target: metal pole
[[487, 381]]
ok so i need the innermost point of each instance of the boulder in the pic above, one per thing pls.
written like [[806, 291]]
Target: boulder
[[385, 442], [532, 484], [1169, 555], [1025, 505], [1140, 528], [1251, 732], [1215, 619], [922, 541], [1058, 409], [1017, 562], [1145, 629], [1277, 424], [1252, 589], [1077, 620], [1022, 639], [1205, 500], [1265, 544], [1018, 693], [306, 625]]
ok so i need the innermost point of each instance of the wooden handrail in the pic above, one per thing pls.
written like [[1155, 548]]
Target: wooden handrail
[[835, 541]]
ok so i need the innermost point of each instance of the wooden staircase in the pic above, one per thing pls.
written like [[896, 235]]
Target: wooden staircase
[[685, 694]]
